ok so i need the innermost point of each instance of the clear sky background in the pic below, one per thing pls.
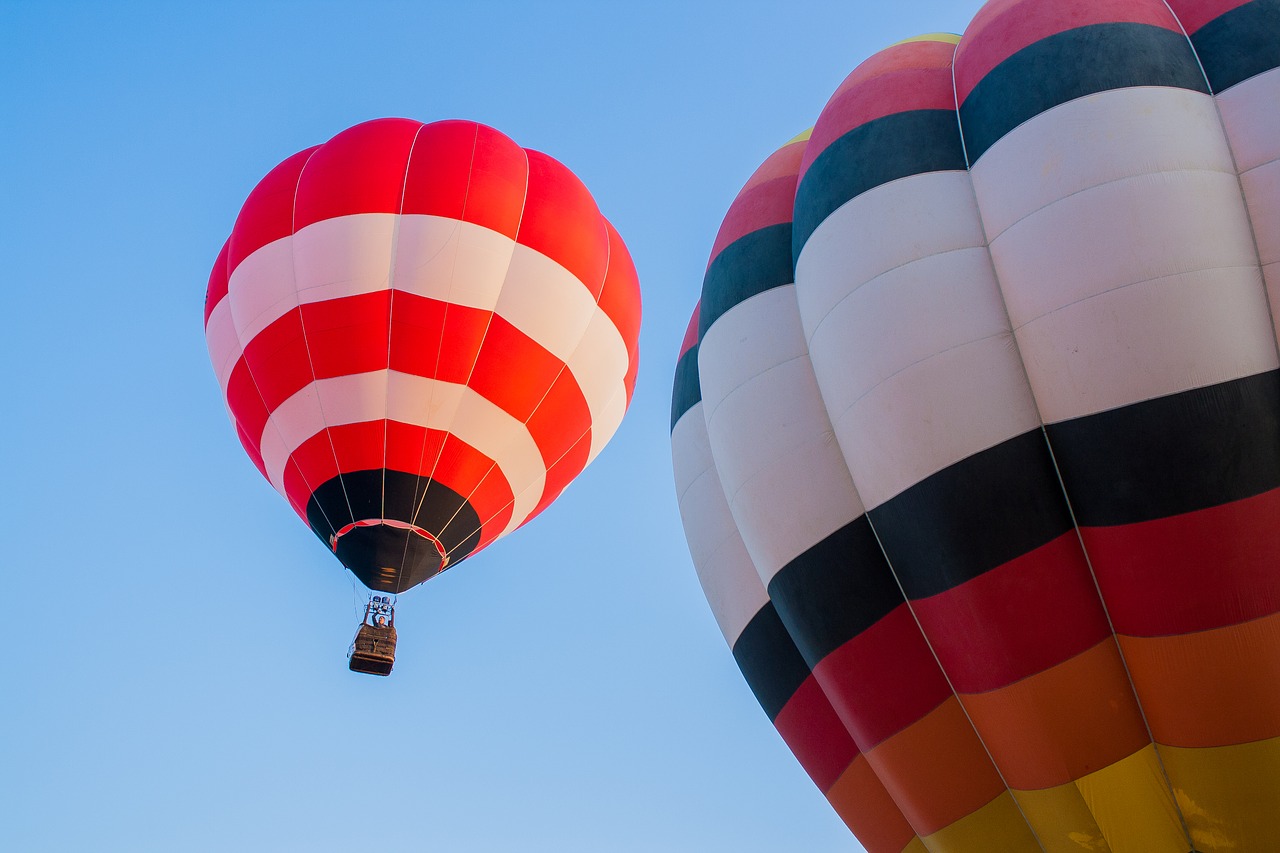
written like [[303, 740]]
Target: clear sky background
[[175, 675]]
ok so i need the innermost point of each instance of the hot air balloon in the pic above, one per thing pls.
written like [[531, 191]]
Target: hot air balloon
[[985, 383], [423, 333]]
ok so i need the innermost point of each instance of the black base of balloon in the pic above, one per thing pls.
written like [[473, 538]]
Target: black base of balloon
[[388, 559]]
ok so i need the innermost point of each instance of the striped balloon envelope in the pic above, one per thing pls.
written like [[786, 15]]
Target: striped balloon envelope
[[423, 333], [977, 433]]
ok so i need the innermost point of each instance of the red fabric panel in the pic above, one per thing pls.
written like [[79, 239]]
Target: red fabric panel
[[1003, 27], [898, 79], [691, 331], [457, 465], [422, 326], [561, 474], [629, 381], [815, 735], [513, 371], [620, 296], [309, 467], [250, 445], [278, 359], [1017, 619], [218, 279], [1194, 14], [408, 448], [766, 199], [562, 222], [763, 205], [560, 422], [349, 335], [1192, 572], [467, 171], [884, 679], [780, 164], [267, 214], [361, 170], [246, 404]]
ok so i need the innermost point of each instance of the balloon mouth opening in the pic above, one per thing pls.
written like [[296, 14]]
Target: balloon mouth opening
[[399, 525]]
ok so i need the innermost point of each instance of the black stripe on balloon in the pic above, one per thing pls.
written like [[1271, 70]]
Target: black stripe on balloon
[[752, 264], [1240, 44], [882, 150], [769, 660], [835, 590], [973, 516], [1070, 65], [1175, 454], [686, 389], [378, 493]]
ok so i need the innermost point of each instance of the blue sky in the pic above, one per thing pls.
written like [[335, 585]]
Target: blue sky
[[176, 676]]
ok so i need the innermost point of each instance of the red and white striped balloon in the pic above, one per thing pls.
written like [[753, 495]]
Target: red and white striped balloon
[[423, 333]]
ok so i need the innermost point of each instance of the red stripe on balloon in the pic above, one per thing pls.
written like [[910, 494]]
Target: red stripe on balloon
[[814, 733], [1192, 572], [884, 679], [348, 336], [898, 79], [250, 445], [766, 199], [1194, 14], [1017, 619], [620, 295], [691, 332], [267, 214], [218, 281], [361, 170], [467, 171], [246, 404], [1003, 27], [407, 448], [556, 198]]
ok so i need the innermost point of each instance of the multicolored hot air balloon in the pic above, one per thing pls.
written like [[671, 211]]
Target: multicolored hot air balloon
[[422, 332], [976, 433]]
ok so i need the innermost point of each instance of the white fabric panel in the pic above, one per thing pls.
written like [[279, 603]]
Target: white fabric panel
[[1262, 195], [1251, 114], [451, 261], [546, 302], [728, 577], [293, 422], [935, 413], [436, 257], [746, 342], [261, 289], [895, 224], [1120, 233], [481, 424], [927, 373], [691, 451], [599, 365], [916, 361], [1148, 340], [224, 344], [1106, 136], [344, 256], [770, 435], [606, 423], [1123, 250], [412, 400]]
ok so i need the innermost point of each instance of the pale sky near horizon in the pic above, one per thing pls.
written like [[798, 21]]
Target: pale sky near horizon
[[176, 679]]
